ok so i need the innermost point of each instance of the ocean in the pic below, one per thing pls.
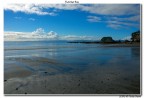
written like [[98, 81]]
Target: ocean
[[58, 67]]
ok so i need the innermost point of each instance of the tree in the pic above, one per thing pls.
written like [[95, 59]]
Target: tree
[[135, 36]]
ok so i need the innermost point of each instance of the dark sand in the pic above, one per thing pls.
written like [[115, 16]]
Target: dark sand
[[96, 80]]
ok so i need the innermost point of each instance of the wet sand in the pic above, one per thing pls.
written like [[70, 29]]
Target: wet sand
[[93, 83], [79, 70], [52, 80]]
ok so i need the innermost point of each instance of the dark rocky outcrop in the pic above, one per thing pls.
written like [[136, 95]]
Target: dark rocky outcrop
[[107, 40]]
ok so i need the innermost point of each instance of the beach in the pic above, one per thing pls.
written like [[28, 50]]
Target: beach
[[68, 68]]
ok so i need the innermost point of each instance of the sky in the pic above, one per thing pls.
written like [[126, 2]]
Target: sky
[[70, 21]]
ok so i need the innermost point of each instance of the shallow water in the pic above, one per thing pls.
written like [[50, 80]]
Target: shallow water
[[62, 66]]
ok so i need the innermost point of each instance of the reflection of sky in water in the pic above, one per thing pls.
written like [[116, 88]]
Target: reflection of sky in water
[[67, 57], [135, 52]]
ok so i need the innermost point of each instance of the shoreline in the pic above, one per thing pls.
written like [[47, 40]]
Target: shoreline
[[113, 44]]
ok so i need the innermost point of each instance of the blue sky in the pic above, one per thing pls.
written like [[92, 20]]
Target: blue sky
[[70, 22]]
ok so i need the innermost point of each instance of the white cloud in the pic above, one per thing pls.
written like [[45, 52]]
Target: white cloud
[[52, 35], [31, 19], [39, 31], [74, 37], [27, 8], [60, 6], [93, 19], [127, 38], [40, 34], [113, 9], [134, 18], [102, 9], [117, 22], [114, 26]]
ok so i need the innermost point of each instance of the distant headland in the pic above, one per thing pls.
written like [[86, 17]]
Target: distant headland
[[135, 39]]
